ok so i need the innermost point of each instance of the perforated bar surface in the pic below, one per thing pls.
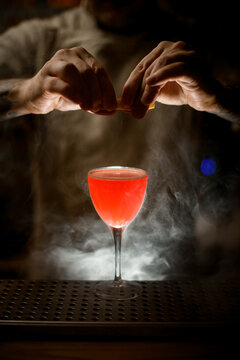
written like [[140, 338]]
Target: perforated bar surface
[[162, 306]]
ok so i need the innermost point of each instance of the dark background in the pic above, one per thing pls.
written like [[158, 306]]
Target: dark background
[[14, 11], [217, 27], [217, 21]]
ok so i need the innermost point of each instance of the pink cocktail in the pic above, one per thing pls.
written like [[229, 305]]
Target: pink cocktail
[[117, 194]]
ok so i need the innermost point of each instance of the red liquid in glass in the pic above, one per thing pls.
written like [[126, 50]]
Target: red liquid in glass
[[117, 194]]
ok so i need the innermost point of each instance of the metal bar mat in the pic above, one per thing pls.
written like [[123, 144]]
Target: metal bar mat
[[71, 308]]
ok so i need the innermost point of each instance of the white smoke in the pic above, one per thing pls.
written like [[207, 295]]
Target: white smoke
[[182, 229]]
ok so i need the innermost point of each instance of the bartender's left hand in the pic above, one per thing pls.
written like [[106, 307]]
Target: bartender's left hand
[[171, 74]]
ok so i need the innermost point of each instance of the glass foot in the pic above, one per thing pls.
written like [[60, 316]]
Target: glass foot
[[124, 290]]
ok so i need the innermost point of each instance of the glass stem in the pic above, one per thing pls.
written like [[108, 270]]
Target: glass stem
[[117, 237]]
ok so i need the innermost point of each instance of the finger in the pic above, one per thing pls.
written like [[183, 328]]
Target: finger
[[171, 57], [64, 104], [70, 74], [106, 90], [138, 107], [172, 53], [139, 111], [91, 85], [103, 112], [90, 77], [149, 94], [146, 93], [141, 102], [56, 86], [74, 70], [132, 85], [176, 71], [64, 70], [109, 101]]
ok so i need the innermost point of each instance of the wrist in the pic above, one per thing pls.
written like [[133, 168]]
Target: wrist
[[5, 106], [11, 102], [228, 103], [18, 97]]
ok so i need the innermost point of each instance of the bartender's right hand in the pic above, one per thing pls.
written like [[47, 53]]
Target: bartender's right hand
[[70, 80]]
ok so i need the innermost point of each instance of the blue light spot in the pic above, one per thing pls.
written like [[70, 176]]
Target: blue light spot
[[208, 166]]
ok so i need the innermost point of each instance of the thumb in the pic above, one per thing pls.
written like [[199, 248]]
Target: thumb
[[149, 94]]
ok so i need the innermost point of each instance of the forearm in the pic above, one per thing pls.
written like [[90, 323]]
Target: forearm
[[11, 100]]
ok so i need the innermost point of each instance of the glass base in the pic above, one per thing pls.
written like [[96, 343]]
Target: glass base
[[123, 290]]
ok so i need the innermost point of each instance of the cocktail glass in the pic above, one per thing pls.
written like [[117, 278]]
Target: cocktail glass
[[117, 194]]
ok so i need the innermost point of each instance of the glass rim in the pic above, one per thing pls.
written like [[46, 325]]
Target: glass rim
[[116, 167]]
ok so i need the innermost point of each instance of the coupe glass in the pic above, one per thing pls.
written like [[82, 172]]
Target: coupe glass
[[117, 194]]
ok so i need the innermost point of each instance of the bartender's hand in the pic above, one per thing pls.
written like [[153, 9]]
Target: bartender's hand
[[70, 80], [171, 74]]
